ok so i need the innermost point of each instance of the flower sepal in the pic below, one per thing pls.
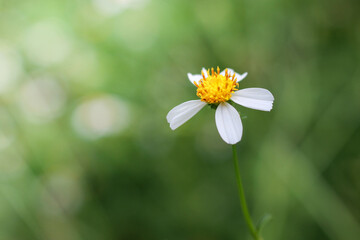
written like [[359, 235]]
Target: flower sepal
[[215, 105]]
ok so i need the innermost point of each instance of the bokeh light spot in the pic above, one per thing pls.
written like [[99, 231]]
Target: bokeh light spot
[[10, 68], [41, 99], [47, 43], [101, 116], [111, 7]]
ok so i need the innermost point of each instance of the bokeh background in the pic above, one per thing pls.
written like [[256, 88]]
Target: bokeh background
[[85, 149]]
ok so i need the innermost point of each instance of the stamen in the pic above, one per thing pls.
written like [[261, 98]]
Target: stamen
[[203, 74]]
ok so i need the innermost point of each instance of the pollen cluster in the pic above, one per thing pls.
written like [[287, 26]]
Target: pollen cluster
[[216, 88]]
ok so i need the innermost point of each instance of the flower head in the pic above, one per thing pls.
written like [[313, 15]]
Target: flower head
[[217, 88]]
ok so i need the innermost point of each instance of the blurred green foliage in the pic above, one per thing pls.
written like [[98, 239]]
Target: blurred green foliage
[[85, 149]]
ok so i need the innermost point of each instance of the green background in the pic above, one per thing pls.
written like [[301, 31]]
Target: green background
[[85, 149]]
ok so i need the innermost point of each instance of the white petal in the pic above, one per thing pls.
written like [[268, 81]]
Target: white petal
[[238, 76], [230, 71], [255, 98], [197, 77], [228, 123], [183, 112], [194, 78]]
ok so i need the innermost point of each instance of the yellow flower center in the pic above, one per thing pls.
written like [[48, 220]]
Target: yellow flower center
[[216, 88]]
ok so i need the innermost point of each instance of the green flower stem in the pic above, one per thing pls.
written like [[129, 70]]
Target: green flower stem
[[242, 197]]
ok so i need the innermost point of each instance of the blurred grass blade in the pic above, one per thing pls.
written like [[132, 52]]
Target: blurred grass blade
[[262, 222]]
